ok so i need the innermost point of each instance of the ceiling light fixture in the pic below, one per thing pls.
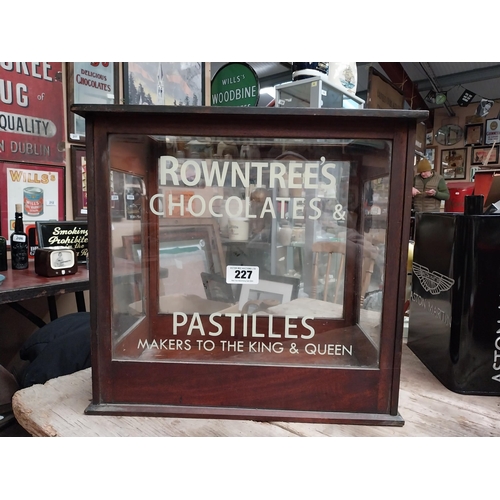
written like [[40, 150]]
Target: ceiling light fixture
[[441, 97]]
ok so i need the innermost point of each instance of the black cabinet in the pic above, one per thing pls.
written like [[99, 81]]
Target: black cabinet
[[454, 323]]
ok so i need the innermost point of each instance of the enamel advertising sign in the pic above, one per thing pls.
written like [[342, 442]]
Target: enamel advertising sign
[[32, 112]]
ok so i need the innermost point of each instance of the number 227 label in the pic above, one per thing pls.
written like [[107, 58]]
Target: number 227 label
[[242, 274]]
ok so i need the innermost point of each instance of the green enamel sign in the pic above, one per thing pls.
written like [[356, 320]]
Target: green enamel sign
[[235, 84]]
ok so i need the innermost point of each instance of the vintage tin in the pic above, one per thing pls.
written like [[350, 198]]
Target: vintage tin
[[33, 201]]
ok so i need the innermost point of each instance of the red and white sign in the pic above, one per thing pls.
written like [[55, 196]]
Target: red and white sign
[[32, 112]]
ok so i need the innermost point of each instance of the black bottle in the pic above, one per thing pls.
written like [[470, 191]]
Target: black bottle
[[3, 254], [19, 242]]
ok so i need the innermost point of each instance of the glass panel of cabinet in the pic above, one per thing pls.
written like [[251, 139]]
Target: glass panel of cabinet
[[288, 211]]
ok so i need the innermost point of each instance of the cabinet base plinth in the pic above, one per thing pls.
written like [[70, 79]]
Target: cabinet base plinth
[[264, 415]]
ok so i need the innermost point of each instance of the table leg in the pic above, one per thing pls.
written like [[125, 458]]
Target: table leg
[[80, 301], [52, 307]]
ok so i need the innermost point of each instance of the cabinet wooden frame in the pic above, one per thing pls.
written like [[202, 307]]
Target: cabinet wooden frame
[[79, 182], [259, 392]]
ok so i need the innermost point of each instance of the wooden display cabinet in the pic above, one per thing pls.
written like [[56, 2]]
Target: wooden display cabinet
[[221, 320]]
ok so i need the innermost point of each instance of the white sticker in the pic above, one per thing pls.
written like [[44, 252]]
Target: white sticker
[[75, 137], [50, 203], [114, 197], [242, 274]]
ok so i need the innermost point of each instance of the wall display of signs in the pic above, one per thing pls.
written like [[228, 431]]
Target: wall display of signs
[[89, 83], [235, 84], [67, 234], [492, 131], [164, 83], [32, 112], [79, 182], [40, 190]]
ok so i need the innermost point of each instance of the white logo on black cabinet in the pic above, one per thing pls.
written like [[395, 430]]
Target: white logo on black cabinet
[[432, 282]]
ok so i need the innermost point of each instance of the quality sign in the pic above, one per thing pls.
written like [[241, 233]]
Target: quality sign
[[235, 84], [32, 112]]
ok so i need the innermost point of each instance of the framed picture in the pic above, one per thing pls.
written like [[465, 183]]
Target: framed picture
[[32, 113], [79, 182], [453, 163], [473, 134], [430, 154], [216, 288], [160, 83], [484, 156], [453, 158], [89, 83], [74, 234], [429, 138], [186, 248], [492, 134], [271, 290], [40, 190]]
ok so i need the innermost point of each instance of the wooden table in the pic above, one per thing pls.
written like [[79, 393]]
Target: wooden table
[[24, 284], [428, 408]]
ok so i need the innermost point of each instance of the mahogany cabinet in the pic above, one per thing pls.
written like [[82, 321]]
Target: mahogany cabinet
[[267, 250]]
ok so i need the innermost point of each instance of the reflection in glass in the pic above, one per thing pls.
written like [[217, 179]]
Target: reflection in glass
[[309, 216]]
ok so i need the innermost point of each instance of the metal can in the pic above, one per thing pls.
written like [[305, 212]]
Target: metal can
[[303, 70], [33, 201]]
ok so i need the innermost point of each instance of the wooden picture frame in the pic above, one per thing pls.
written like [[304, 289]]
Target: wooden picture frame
[[492, 132], [74, 234], [147, 83], [479, 155], [197, 229], [453, 158], [41, 189], [453, 162], [79, 182], [271, 288], [89, 83], [177, 239], [473, 134]]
